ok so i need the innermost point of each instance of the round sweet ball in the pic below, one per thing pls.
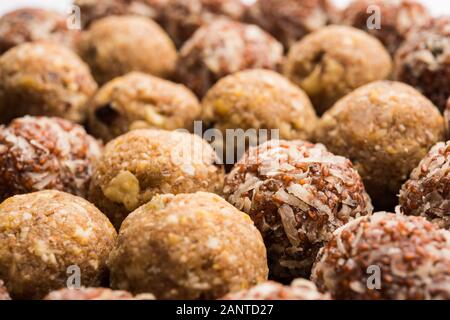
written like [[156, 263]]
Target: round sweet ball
[[423, 61], [297, 194], [389, 21], [291, 20], [143, 163], [260, 99], [138, 101], [181, 18], [42, 78], [427, 192], [38, 153], [47, 236], [117, 45], [188, 246], [222, 48], [4, 295], [94, 294], [385, 128], [300, 289], [386, 256], [333, 61], [32, 24]]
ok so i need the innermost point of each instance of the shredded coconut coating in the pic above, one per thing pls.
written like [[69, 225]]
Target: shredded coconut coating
[[290, 20], [138, 101], [32, 24], [114, 46], [397, 18], [94, 294], [427, 192], [300, 289], [42, 78], [44, 233], [222, 48], [4, 295], [297, 194], [413, 256], [385, 128], [423, 61], [335, 60], [188, 246], [38, 153], [260, 99], [143, 163]]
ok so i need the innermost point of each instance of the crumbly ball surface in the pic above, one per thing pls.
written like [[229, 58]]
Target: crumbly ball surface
[[297, 194], [42, 78], [335, 60], [44, 233], [188, 246], [38, 153], [222, 48], [94, 294], [116, 45], [411, 255], [385, 128], [143, 163], [4, 295]]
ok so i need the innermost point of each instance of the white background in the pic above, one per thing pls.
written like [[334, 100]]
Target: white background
[[437, 7]]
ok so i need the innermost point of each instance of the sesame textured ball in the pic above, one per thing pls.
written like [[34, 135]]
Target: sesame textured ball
[[335, 60], [427, 192], [188, 246], [291, 20], [4, 295], [38, 153], [300, 289], [297, 194], [385, 128], [410, 255], [94, 294], [114, 46], [31, 24], [44, 233], [423, 61], [138, 100], [143, 163], [397, 18], [222, 48], [41, 78]]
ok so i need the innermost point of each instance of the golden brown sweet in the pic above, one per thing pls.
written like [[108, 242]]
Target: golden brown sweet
[[335, 60], [385, 128], [188, 246], [117, 45], [297, 193], [137, 101], [386, 256], [40, 78], [94, 294], [143, 163], [44, 233]]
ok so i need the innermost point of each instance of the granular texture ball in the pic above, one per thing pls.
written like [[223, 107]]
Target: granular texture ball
[[300, 289], [386, 256], [138, 100], [222, 48], [143, 163], [117, 45], [188, 246], [427, 192], [395, 19], [291, 20], [335, 60], [42, 78], [32, 24], [94, 294], [423, 61], [4, 295], [385, 128], [38, 153], [45, 237], [297, 194]]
